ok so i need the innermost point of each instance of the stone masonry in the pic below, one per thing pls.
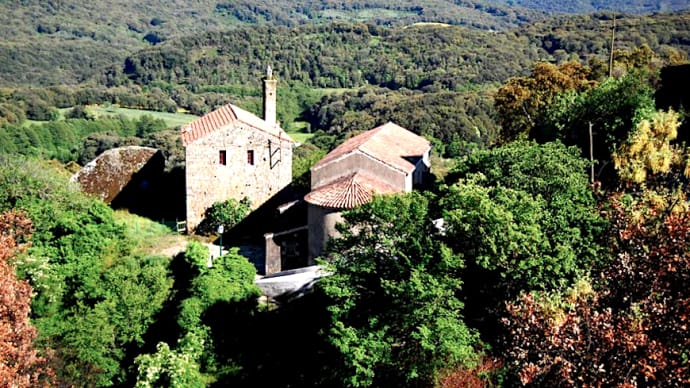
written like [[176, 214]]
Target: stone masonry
[[209, 181]]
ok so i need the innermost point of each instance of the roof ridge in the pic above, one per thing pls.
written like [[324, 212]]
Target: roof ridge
[[226, 115]]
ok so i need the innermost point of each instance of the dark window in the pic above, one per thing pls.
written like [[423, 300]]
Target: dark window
[[250, 157], [221, 158]]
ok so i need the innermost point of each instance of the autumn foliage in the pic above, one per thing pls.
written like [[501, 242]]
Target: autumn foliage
[[20, 363], [631, 328]]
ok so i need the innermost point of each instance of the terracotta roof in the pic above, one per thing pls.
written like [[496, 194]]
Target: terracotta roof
[[223, 117], [348, 192], [389, 143]]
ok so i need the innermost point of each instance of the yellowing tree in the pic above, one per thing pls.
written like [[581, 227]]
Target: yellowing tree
[[523, 101], [648, 154]]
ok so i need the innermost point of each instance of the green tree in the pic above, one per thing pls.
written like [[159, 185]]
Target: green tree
[[393, 290], [198, 357], [94, 296], [227, 213], [524, 217]]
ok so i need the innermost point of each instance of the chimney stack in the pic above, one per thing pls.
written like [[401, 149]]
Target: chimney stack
[[270, 88]]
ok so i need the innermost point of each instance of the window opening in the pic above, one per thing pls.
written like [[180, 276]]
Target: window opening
[[250, 157], [222, 158]]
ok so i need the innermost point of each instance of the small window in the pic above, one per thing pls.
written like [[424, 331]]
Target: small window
[[222, 158], [250, 157]]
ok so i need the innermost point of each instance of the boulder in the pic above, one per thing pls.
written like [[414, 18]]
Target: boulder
[[121, 170]]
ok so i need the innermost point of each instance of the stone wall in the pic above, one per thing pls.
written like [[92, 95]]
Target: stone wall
[[208, 181], [322, 223], [359, 162]]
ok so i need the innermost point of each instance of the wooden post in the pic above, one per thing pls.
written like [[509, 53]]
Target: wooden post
[[613, 38], [591, 153]]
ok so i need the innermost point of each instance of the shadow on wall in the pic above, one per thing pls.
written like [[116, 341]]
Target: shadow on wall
[[284, 211]]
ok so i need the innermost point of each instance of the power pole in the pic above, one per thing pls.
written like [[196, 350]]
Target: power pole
[[591, 154], [613, 39]]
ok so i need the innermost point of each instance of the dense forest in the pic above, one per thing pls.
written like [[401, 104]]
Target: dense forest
[[561, 176]]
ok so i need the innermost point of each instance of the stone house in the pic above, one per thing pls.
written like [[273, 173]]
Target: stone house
[[232, 153], [387, 159]]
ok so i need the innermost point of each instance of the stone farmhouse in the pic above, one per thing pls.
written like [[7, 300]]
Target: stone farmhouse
[[231, 153], [387, 159]]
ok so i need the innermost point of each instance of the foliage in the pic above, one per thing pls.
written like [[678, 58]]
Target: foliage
[[396, 316], [304, 157], [227, 213], [21, 365], [648, 152], [172, 368], [94, 298], [613, 108], [78, 139], [524, 210], [487, 374], [523, 101], [631, 327], [196, 359], [450, 117]]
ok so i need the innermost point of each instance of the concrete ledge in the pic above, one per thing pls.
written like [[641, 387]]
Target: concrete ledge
[[296, 281]]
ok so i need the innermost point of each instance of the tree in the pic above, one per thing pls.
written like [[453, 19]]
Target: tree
[[627, 326], [525, 210], [21, 365], [227, 213], [522, 102], [199, 356], [393, 291], [524, 218], [648, 152], [613, 109], [95, 297]]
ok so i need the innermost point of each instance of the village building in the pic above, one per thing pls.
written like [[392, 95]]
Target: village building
[[387, 159], [232, 153]]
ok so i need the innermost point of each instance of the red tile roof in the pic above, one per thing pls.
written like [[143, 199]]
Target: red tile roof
[[388, 143], [223, 117], [348, 192]]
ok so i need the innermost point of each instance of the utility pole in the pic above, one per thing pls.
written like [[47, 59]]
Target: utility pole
[[591, 154], [613, 39]]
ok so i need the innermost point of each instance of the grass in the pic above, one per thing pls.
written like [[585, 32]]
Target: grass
[[172, 119], [150, 237], [298, 132]]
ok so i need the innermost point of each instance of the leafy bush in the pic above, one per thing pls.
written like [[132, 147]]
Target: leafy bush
[[94, 298], [228, 214]]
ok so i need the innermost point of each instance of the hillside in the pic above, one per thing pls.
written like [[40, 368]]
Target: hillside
[[589, 6], [68, 41], [420, 57]]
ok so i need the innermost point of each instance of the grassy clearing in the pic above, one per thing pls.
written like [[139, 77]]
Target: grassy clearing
[[298, 132], [365, 14], [172, 119], [150, 237], [441, 166]]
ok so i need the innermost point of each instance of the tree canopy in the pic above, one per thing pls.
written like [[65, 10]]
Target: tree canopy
[[396, 316]]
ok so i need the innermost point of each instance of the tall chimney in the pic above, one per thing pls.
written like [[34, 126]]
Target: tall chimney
[[270, 87]]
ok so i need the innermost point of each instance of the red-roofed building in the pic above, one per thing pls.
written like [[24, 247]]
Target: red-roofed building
[[231, 153], [387, 159]]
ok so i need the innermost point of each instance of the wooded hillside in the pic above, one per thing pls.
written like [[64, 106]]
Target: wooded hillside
[[67, 41]]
